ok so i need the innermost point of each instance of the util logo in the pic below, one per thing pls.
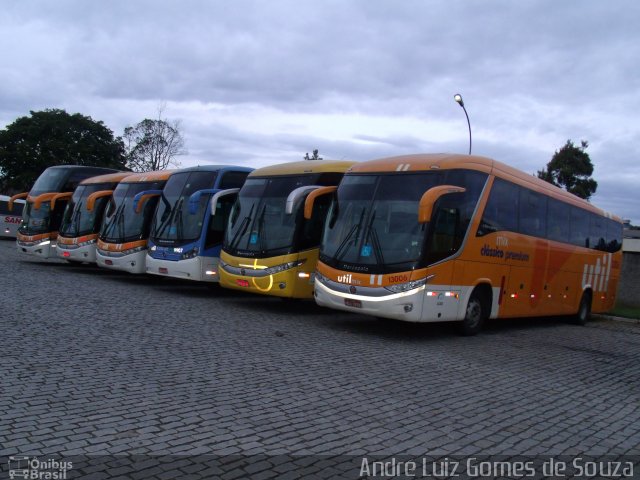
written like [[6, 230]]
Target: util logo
[[597, 276], [345, 278]]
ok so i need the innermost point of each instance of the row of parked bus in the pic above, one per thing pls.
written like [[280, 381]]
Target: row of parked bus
[[419, 238]]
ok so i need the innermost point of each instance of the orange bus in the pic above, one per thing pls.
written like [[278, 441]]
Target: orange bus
[[45, 204], [82, 218], [464, 238], [122, 243]]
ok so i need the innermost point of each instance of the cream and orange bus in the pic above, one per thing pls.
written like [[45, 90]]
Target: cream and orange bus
[[122, 243], [82, 218], [271, 243], [464, 238], [46, 202]]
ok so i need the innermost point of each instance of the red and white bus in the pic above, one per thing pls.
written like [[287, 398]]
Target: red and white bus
[[10, 219]]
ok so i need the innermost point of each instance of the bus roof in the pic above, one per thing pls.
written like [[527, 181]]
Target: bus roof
[[445, 161], [108, 178], [214, 168], [154, 176], [304, 166]]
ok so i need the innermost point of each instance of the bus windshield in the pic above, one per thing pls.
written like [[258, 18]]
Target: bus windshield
[[258, 224], [51, 180], [34, 221], [77, 220], [372, 225], [121, 223], [173, 223]]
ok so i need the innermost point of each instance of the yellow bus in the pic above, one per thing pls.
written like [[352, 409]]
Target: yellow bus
[[271, 243], [82, 217], [464, 238], [46, 202], [122, 243]]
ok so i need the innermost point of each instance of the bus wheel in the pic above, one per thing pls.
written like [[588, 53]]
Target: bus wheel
[[474, 317], [584, 310]]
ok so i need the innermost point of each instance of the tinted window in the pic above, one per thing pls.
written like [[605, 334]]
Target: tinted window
[[614, 236], [233, 180], [532, 213], [579, 227], [501, 212], [597, 232], [558, 221]]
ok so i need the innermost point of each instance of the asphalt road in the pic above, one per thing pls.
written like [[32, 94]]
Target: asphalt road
[[95, 362]]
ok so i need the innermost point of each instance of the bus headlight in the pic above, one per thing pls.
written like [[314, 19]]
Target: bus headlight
[[405, 287], [190, 254], [284, 266]]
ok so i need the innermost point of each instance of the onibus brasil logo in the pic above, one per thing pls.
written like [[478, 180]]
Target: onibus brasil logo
[[37, 469]]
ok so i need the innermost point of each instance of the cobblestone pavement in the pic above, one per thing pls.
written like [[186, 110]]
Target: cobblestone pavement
[[96, 362]]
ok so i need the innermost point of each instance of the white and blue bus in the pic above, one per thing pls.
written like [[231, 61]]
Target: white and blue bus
[[190, 220]]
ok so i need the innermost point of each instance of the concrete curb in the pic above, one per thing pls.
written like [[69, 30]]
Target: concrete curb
[[614, 318]]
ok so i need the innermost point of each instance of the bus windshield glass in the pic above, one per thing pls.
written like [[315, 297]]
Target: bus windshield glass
[[372, 225], [121, 223], [34, 221], [258, 224], [173, 223], [77, 220], [51, 180]]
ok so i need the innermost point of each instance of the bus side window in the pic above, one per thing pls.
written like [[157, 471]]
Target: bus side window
[[218, 222], [558, 217], [614, 236], [532, 213], [579, 227], [311, 233], [445, 237], [597, 232], [501, 212]]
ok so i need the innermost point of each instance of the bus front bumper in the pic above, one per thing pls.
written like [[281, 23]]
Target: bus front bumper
[[85, 253], [199, 269], [406, 306], [42, 249], [132, 262]]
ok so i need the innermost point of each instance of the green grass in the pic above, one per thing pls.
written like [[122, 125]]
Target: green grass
[[626, 311]]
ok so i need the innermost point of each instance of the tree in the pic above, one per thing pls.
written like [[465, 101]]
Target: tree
[[571, 168], [31, 144], [153, 144], [315, 156]]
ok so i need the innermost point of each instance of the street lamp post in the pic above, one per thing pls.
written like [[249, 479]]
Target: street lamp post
[[458, 98]]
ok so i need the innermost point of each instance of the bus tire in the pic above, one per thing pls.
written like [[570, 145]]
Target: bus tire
[[584, 310], [475, 315]]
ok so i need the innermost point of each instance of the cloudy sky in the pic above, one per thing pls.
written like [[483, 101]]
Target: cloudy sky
[[262, 82]]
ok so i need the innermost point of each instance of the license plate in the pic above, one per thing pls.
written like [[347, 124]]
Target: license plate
[[108, 262], [163, 270], [242, 283], [352, 303]]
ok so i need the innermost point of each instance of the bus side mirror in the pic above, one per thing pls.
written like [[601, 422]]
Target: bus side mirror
[[217, 195], [142, 197], [16, 197], [431, 196], [60, 196], [91, 199], [295, 195], [194, 199], [311, 198], [45, 197]]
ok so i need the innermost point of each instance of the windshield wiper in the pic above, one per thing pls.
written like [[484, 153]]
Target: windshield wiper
[[261, 231], [169, 219], [355, 229], [241, 229]]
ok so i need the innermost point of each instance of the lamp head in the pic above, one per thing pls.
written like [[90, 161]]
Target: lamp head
[[458, 98]]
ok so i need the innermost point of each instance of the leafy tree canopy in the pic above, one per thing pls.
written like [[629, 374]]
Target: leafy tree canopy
[[53, 137], [571, 168], [314, 155]]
